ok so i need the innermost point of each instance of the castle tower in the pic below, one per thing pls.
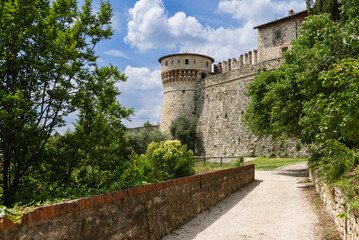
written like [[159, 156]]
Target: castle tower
[[180, 73]]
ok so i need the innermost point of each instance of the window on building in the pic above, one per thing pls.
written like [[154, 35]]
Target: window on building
[[194, 61], [179, 61], [207, 64], [172, 63], [186, 61], [166, 63], [203, 75], [277, 34]]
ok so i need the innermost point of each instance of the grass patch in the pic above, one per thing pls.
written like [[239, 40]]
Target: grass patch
[[272, 163], [261, 164], [210, 167]]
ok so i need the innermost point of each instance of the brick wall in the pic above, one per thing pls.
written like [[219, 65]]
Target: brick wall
[[348, 227], [144, 212]]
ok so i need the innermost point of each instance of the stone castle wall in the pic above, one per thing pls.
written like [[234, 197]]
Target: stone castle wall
[[217, 101], [220, 105]]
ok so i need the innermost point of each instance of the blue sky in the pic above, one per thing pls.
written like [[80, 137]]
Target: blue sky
[[145, 30]]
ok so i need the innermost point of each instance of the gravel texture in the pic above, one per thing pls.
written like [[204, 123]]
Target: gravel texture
[[274, 206]]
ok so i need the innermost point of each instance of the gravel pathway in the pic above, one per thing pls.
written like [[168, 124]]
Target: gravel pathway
[[274, 206]]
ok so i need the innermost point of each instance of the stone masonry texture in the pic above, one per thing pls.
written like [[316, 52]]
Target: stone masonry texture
[[335, 205], [143, 212], [217, 101]]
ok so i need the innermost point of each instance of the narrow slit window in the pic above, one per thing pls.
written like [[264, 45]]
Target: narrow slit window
[[166, 63], [277, 34], [186, 61]]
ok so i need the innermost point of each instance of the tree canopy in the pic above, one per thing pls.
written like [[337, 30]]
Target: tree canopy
[[324, 6], [48, 70], [140, 140], [313, 95], [184, 130]]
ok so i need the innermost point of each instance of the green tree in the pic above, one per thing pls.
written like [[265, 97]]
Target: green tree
[[184, 130], [324, 6], [313, 95], [140, 140], [101, 136], [47, 68]]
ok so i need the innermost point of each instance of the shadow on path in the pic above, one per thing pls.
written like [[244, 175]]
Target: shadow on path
[[294, 172], [208, 217]]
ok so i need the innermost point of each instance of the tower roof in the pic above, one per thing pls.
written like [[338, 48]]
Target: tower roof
[[185, 54]]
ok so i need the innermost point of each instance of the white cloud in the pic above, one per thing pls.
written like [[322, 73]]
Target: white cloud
[[150, 112], [150, 27], [116, 53], [259, 11], [142, 79], [142, 91]]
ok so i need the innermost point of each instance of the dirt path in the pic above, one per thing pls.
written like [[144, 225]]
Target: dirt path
[[274, 206]]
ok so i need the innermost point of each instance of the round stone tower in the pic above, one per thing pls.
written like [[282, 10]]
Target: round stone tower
[[180, 73]]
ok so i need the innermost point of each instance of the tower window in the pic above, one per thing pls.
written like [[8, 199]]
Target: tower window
[[194, 61], [203, 75], [179, 61], [277, 34], [166, 63], [207, 64], [186, 61]]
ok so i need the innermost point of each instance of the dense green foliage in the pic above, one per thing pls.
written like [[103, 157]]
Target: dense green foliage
[[170, 159], [184, 130], [324, 6], [162, 161], [47, 71], [313, 96], [139, 140]]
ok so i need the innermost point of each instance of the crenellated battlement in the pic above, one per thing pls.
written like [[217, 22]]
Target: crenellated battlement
[[244, 60], [178, 76]]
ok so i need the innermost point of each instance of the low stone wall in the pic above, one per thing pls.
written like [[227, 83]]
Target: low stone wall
[[333, 198], [143, 212]]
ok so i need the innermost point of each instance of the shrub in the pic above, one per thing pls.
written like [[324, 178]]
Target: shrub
[[239, 161], [138, 172], [334, 161], [170, 159]]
